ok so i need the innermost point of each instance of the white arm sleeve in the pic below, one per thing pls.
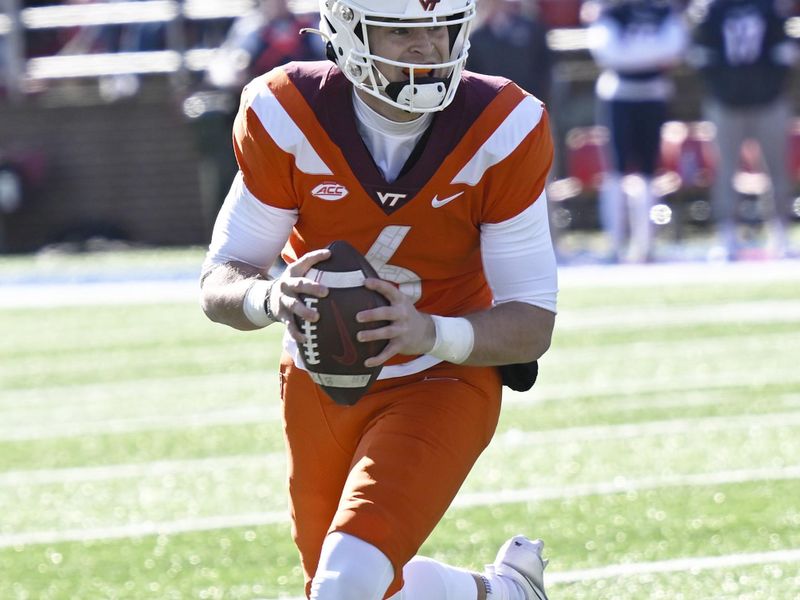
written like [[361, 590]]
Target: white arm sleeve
[[518, 258], [247, 230]]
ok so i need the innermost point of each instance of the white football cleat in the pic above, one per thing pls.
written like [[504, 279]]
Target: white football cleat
[[520, 559]]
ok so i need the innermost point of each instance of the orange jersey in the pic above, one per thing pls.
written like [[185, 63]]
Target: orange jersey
[[484, 160]]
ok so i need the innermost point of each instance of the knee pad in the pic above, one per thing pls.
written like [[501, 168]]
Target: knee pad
[[350, 569]]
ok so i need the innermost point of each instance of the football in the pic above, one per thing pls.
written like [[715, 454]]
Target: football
[[331, 354]]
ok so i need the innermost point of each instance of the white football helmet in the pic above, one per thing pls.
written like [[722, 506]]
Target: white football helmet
[[343, 24]]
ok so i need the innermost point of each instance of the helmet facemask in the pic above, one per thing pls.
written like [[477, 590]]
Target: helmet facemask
[[429, 87]]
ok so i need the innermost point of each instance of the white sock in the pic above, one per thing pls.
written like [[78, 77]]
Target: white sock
[[427, 579], [612, 210], [350, 569], [639, 204]]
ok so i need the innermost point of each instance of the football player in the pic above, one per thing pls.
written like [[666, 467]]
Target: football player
[[437, 176], [746, 56], [635, 43]]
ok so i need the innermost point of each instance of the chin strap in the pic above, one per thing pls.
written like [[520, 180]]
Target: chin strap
[[426, 92]]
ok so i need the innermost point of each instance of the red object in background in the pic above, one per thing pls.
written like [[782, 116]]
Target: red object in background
[[586, 155], [687, 149], [560, 13]]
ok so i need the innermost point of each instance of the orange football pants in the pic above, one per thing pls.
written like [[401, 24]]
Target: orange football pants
[[386, 469]]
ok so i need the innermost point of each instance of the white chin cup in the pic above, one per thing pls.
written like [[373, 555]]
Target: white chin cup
[[422, 95]]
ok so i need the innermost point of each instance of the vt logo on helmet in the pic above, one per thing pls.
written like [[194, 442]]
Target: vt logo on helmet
[[429, 4], [347, 25]]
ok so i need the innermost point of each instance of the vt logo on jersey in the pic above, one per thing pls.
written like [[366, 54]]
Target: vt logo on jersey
[[330, 191], [390, 198]]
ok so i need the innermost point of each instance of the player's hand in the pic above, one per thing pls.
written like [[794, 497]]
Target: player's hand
[[285, 296], [409, 331]]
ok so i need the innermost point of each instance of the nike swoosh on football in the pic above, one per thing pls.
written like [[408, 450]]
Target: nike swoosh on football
[[349, 355], [436, 203]]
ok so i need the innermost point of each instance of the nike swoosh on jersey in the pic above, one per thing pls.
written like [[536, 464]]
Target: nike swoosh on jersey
[[436, 203]]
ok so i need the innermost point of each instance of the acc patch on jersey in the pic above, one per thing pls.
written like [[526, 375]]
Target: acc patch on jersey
[[332, 355]]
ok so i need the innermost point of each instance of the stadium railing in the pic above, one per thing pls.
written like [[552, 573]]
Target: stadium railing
[[18, 69]]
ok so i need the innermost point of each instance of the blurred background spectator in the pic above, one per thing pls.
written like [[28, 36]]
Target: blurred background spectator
[[74, 67], [744, 55], [257, 42], [510, 41], [635, 43]]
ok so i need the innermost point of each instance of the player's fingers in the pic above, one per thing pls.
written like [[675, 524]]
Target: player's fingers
[[389, 290], [301, 266], [382, 313], [303, 285], [391, 350], [378, 333], [304, 310]]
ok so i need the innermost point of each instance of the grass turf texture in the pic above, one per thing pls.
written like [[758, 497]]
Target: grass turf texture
[[113, 416]]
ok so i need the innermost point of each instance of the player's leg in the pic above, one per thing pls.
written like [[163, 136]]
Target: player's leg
[[770, 128], [414, 456], [612, 202], [436, 428], [648, 118], [351, 569], [517, 574], [730, 133], [612, 213], [318, 465]]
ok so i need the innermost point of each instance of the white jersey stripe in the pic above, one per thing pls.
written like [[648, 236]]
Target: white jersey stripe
[[337, 279], [522, 120], [281, 128]]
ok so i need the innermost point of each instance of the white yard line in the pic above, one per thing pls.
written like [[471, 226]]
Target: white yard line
[[622, 485], [467, 500], [677, 565], [68, 429], [515, 437], [509, 438], [135, 530], [718, 379], [97, 293], [156, 468], [264, 413], [186, 290], [98, 391], [767, 311], [678, 273]]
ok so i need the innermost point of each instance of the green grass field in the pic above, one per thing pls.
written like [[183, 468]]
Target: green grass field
[[658, 456]]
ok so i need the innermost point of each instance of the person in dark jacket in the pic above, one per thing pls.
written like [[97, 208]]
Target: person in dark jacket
[[512, 44], [744, 55]]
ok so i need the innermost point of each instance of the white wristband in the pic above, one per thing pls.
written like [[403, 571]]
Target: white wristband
[[455, 339], [253, 304]]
